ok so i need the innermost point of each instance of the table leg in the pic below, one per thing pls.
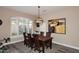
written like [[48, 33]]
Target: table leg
[[50, 43], [43, 47]]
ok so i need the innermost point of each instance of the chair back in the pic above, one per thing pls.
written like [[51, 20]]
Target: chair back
[[29, 35], [34, 35], [24, 34], [42, 33], [48, 34]]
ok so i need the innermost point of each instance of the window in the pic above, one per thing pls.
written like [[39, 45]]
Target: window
[[14, 27], [20, 25]]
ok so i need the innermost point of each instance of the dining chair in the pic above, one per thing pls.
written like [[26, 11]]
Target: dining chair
[[49, 40], [25, 39], [31, 40], [42, 33], [37, 44]]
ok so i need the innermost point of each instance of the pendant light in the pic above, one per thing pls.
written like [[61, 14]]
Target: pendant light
[[39, 19]]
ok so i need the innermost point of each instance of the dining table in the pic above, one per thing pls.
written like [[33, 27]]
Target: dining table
[[43, 40]]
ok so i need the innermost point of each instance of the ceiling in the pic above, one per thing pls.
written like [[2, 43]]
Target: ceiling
[[33, 10]]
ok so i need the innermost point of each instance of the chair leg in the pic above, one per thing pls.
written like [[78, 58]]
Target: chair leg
[[51, 44]]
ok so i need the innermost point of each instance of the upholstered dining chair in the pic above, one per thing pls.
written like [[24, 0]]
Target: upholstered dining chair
[[48, 34], [25, 39], [31, 40], [49, 40], [42, 33], [37, 44]]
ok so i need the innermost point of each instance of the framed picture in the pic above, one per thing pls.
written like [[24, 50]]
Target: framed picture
[[57, 25]]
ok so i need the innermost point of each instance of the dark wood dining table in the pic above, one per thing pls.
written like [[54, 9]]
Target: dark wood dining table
[[43, 40]]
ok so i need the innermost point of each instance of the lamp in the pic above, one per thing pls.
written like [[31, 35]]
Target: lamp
[[39, 19]]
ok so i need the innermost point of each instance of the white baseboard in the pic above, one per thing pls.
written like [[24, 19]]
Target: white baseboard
[[66, 45]]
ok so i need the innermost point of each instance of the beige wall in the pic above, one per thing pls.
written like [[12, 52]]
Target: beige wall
[[5, 15], [71, 38]]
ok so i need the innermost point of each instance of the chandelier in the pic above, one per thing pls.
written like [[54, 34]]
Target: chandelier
[[39, 19]]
